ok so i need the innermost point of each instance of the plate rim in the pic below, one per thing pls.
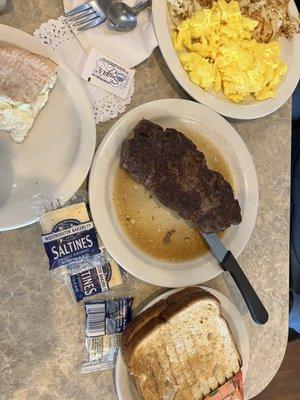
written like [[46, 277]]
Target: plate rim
[[162, 277], [228, 109], [244, 335], [82, 164]]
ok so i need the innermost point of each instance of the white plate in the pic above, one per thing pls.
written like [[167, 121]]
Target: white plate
[[124, 386], [55, 157], [247, 110], [183, 115]]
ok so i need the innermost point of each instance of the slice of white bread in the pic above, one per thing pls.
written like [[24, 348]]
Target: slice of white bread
[[26, 79], [181, 348]]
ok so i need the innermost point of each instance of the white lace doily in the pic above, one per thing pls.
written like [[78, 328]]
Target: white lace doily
[[57, 34]]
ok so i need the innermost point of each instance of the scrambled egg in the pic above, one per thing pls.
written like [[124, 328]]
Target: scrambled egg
[[216, 49]]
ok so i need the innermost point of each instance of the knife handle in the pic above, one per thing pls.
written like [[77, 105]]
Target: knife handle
[[255, 306]]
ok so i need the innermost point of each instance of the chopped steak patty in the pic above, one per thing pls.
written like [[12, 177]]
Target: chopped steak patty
[[169, 165]]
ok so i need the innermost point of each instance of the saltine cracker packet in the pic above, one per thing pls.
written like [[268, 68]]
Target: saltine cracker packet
[[68, 235], [96, 280], [73, 250]]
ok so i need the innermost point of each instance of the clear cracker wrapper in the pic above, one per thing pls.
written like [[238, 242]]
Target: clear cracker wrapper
[[231, 390], [105, 322], [73, 250], [95, 280], [69, 236]]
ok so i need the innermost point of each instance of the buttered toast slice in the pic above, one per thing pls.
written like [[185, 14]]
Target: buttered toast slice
[[181, 348]]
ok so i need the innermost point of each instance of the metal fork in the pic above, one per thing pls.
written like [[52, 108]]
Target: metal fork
[[89, 14]]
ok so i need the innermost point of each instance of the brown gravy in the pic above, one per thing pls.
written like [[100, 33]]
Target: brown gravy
[[153, 228]]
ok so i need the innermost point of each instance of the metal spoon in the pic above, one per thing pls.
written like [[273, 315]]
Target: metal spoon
[[121, 17]]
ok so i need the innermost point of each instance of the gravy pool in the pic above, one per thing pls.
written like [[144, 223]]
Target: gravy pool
[[153, 228]]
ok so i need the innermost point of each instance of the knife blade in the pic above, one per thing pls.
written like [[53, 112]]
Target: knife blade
[[228, 262]]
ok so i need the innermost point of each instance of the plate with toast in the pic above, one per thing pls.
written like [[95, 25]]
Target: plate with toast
[[47, 129], [186, 343]]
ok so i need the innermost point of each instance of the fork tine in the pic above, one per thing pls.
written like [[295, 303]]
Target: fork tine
[[83, 14], [83, 21], [94, 22], [78, 9]]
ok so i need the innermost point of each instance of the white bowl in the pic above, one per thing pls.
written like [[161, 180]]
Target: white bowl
[[180, 114], [251, 109]]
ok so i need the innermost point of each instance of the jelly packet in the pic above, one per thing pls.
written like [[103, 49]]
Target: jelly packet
[[231, 390], [105, 322]]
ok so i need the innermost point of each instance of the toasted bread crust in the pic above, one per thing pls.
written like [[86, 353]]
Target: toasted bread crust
[[158, 314], [154, 317]]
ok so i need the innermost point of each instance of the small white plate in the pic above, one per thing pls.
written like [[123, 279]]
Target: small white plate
[[246, 110], [183, 115], [124, 386], [56, 156]]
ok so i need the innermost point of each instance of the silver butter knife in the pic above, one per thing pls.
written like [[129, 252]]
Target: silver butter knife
[[230, 264]]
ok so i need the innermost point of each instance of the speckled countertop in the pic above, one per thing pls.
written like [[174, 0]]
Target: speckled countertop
[[41, 330]]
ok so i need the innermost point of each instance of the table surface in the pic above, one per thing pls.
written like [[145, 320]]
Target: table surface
[[42, 331]]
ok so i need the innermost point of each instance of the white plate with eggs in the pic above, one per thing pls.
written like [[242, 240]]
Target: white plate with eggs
[[249, 109], [135, 229]]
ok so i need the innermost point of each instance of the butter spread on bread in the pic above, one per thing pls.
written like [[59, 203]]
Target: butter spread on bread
[[181, 348], [26, 79]]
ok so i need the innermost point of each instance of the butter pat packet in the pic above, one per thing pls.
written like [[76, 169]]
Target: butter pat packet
[[105, 322], [107, 74]]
